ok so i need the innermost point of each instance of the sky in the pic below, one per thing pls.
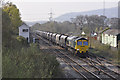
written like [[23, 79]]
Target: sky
[[38, 10], [63, 0]]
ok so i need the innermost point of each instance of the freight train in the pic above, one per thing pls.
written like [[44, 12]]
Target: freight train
[[78, 45]]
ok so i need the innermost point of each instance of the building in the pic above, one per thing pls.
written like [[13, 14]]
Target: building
[[24, 31], [111, 37], [99, 33]]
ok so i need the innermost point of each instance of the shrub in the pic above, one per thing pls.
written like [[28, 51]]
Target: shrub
[[22, 41], [29, 63]]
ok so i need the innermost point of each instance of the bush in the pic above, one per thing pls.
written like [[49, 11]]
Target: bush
[[21, 39], [29, 63]]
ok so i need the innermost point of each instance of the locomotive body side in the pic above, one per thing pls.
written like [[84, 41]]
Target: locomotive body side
[[70, 41]]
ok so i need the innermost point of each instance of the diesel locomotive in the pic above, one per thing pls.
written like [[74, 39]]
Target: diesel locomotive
[[78, 45]]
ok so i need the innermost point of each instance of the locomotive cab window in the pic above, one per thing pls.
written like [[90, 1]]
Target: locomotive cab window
[[85, 43], [25, 30], [79, 43]]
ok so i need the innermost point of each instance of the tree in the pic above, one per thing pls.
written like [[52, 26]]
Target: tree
[[10, 22], [80, 20], [13, 14], [6, 30]]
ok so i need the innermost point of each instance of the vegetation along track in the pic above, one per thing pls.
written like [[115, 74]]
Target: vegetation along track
[[86, 74], [78, 67]]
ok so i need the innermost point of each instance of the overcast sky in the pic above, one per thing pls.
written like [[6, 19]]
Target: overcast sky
[[37, 10]]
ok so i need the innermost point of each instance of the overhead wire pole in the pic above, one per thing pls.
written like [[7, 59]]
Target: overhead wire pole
[[104, 7], [51, 15], [51, 19], [1, 2], [103, 11]]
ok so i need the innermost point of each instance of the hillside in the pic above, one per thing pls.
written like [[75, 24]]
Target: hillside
[[34, 22], [110, 12]]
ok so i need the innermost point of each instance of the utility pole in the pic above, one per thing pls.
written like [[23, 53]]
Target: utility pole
[[104, 7], [104, 12], [51, 16], [2, 2], [89, 34]]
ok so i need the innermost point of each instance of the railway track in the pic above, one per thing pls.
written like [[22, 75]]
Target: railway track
[[104, 61], [102, 69], [80, 68], [98, 61], [86, 74], [108, 73]]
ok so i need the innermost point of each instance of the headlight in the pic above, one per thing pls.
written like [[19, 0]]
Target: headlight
[[77, 49]]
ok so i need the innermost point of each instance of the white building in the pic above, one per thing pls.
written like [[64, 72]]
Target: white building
[[111, 37], [24, 31]]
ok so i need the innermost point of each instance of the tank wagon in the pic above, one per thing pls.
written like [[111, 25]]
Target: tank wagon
[[78, 45]]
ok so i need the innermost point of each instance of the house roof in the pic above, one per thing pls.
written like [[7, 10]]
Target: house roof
[[112, 31], [24, 25], [105, 29]]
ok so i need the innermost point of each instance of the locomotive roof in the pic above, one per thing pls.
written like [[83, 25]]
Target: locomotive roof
[[81, 38], [50, 33], [54, 34], [38, 31], [58, 34], [71, 37], [63, 36]]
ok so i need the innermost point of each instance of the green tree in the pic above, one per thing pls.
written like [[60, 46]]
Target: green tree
[[10, 22], [14, 15], [6, 29]]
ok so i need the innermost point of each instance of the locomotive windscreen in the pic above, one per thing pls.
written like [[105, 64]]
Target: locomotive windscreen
[[79, 43], [85, 43]]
